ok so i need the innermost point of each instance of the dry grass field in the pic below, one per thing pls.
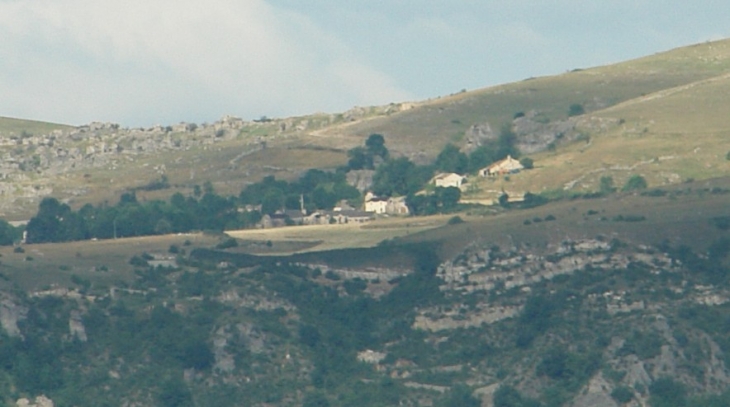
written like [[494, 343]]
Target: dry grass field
[[302, 239], [10, 126], [104, 262]]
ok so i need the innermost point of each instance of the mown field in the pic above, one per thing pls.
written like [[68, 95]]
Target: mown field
[[104, 262]]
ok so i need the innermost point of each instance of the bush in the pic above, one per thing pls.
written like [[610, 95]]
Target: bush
[[622, 394], [721, 222], [19, 249], [138, 261], [527, 162], [666, 392], [455, 220], [576, 109], [629, 218], [227, 244], [636, 182], [606, 185]]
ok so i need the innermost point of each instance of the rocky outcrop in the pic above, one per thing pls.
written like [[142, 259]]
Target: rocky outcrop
[[535, 132], [361, 179], [76, 326], [40, 401], [10, 314], [476, 136]]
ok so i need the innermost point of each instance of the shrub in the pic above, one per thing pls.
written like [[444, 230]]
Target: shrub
[[455, 220], [138, 261], [636, 182], [721, 222], [549, 218], [666, 392], [654, 193], [19, 249], [527, 162], [576, 109], [629, 218], [607, 185], [622, 394], [227, 244]]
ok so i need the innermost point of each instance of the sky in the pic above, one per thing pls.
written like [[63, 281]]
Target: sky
[[148, 62]]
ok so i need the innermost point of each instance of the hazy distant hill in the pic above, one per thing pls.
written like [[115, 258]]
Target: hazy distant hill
[[593, 299], [667, 109]]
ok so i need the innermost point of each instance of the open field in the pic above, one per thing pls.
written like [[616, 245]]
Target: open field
[[681, 215], [684, 216], [104, 262], [10, 126], [431, 124], [302, 239]]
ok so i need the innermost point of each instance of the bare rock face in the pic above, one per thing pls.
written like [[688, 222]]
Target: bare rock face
[[476, 136], [596, 394], [76, 326], [224, 361], [40, 401], [361, 179], [10, 313], [535, 132]]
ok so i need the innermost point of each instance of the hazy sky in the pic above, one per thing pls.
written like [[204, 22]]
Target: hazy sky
[[145, 62]]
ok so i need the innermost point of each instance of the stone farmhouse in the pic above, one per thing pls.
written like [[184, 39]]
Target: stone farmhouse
[[390, 206], [507, 166], [448, 179], [375, 204], [296, 217]]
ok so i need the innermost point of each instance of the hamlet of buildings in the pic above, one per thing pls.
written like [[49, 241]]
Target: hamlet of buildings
[[389, 206]]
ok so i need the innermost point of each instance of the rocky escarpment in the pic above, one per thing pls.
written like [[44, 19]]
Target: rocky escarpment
[[655, 346]]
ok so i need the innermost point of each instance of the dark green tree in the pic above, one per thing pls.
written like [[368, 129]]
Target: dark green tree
[[8, 233], [448, 198], [606, 185], [375, 145], [46, 225], [666, 392], [395, 177], [576, 109], [459, 396], [527, 162], [450, 159], [634, 183], [358, 159], [273, 201]]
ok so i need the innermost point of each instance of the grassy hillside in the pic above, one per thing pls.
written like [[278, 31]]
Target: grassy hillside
[[661, 116], [10, 126], [566, 308], [431, 124]]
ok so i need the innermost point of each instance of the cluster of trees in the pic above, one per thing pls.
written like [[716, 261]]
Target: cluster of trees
[[205, 210], [57, 222], [370, 156], [319, 190], [9, 234], [316, 189], [634, 183], [450, 159]]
